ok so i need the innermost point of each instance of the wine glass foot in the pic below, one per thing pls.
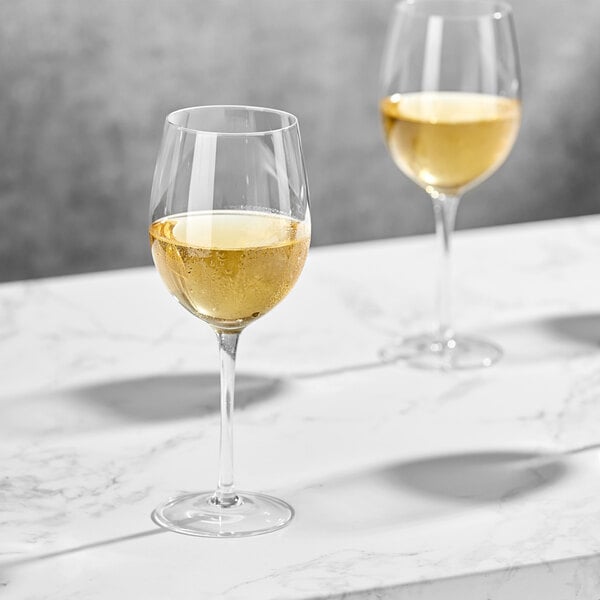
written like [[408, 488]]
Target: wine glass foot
[[197, 514], [428, 352]]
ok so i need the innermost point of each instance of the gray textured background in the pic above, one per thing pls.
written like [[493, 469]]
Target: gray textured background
[[85, 87]]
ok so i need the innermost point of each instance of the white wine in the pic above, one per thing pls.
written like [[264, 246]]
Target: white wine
[[449, 141], [229, 267]]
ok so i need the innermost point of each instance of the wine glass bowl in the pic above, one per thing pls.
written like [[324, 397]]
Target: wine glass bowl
[[450, 110], [448, 142], [211, 262], [229, 233]]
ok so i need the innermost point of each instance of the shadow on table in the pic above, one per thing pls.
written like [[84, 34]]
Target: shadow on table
[[425, 489], [479, 477], [562, 336], [160, 398], [171, 397], [14, 562], [584, 328], [534, 340]]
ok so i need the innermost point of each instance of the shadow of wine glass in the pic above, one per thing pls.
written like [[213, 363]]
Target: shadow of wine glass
[[583, 328], [478, 477], [549, 338], [159, 398], [91, 546], [172, 397], [425, 489]]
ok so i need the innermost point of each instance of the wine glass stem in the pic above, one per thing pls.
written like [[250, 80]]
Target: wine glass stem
[[225, 495], [444, 208]]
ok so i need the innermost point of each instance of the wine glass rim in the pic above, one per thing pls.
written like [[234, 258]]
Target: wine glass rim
[[293, 120], [496, 7]]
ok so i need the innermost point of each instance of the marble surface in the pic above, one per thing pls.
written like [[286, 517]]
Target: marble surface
[[407, 484]]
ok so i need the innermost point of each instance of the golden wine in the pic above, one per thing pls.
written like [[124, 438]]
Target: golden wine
[[449, 141], [229, 267]]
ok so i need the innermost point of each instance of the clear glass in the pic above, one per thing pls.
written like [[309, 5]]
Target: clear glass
[[450, 108], [230, 231]]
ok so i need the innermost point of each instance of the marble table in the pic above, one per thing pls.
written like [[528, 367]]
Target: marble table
[[408, 484]]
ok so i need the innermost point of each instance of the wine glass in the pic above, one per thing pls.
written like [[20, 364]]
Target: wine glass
[[230, 231], [450, 109]]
